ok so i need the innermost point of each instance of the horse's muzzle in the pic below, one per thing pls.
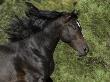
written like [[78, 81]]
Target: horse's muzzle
[[83, 50]]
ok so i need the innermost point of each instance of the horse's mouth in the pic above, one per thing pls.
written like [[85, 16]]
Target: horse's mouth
[[80, 54]]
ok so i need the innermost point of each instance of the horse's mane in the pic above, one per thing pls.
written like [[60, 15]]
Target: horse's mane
[[34, 11], [34, 21], [21, 28]]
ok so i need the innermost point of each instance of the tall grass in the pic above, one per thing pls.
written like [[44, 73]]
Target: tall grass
[[95, 21]]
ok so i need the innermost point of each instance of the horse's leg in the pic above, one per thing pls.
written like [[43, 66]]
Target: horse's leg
[[20, 74], [41, 80], [20, 77], [44, 80]]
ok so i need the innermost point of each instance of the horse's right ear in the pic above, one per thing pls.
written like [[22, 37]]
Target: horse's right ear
[[31, 9], [75, 14]]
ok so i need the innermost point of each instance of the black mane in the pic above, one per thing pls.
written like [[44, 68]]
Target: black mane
[[33, 11], [21, 28], [34, 21]]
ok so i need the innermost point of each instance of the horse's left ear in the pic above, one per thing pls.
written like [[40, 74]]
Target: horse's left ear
[[67, 18], [75, 14]]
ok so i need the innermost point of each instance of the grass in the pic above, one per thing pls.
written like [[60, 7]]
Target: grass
[[95, 21]]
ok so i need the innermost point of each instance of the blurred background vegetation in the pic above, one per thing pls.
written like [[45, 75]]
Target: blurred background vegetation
[[95, 21]]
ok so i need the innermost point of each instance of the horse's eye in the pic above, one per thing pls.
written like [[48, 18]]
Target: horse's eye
[[73, 26]]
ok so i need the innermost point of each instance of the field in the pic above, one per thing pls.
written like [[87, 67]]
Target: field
[[95, 21]]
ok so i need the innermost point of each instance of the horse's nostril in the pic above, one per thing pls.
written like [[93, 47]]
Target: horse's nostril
[[86, 50]]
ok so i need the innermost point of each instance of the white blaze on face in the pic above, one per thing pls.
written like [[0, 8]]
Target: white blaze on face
[[78, 24]]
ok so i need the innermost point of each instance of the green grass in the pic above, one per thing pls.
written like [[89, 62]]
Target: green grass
[[95, 21]]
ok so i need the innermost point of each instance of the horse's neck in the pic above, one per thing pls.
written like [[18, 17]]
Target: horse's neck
[[45, 41]]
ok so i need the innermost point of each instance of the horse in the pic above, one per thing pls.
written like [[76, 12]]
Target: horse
[[28, 56]]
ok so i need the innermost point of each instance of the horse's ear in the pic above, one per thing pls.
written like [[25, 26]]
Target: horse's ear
[[75, 14], [67, 18], [31, 9]]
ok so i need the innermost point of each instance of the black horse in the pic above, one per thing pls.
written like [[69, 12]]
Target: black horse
[[28, 57]]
